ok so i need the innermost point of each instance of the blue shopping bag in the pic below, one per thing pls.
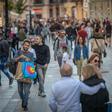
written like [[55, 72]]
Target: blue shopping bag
[[28, 70]]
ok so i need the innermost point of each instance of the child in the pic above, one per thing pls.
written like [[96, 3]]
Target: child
[[66, 57]]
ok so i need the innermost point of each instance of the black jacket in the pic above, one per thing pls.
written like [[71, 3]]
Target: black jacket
[[96, 102], [42, 54], [4, 48]]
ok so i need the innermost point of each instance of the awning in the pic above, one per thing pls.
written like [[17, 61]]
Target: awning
[[37, 10]]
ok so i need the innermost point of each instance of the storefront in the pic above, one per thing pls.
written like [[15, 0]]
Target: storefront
[[100, 9], [45, 9]]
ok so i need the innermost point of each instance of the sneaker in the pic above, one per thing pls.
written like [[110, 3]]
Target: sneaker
[[34, 82], [11, 81], [25, 108], [43, 94], [6, 65], [22, 104], [39, 93]]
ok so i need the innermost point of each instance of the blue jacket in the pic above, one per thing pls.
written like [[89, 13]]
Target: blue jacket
[[77, 52]]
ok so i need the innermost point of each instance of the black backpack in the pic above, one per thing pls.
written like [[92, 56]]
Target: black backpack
[[4, 48], [58, 43]]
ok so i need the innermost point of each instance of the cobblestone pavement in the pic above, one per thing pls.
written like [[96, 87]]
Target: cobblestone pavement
[[9, 99]]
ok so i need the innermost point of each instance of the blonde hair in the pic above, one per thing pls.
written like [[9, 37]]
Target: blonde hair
[[89, 69], [92, 57]]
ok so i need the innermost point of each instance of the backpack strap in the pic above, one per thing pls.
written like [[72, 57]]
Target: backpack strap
[[66, 41], [58, 42]]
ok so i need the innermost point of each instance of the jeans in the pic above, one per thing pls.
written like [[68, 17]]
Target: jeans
[[3, 61], [79, 64], [41, 70], [59, 58], [24, 91]]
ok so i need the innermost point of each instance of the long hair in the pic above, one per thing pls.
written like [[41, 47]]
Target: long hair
[[89, 70], [92, 57], [83, 43]]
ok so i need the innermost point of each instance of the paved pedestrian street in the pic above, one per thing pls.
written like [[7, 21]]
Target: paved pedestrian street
[[9, 98]]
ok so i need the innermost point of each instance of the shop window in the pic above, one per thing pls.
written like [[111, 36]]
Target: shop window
[[51, 12], [57, 11]]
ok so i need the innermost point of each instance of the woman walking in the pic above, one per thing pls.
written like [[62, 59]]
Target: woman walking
[[80, 55]]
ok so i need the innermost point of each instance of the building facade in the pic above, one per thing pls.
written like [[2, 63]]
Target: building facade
[[1, 12], [100, 9], [58, 8]]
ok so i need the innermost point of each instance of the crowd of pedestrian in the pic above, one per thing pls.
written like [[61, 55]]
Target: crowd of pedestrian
[[80, 42]]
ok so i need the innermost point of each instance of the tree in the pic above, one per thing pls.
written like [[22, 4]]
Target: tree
[[20, 6], [11, 5]]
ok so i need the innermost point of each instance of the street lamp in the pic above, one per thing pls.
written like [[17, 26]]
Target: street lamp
[[30, 20], [6, 18]]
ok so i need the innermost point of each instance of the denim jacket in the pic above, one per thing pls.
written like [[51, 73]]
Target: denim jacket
[[77, 52]]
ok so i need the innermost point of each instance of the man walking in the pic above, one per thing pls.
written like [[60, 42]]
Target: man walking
[[4, 54], [24, 84], [42, 61], [65, 93], [61, 42]]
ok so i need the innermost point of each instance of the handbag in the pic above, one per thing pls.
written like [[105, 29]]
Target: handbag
[[28, 70], [104, 52], [18, 74]]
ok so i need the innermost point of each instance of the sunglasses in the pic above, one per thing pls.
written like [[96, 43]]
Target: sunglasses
[[96, 61]]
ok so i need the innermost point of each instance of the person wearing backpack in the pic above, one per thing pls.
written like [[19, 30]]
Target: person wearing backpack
[[60, 42], [4, 54], [70, 33]]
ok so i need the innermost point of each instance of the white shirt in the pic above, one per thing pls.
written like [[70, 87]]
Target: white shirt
[[65, 96], [32, 51], [65, 58], [89, 31], [81, 53], [14, 30]]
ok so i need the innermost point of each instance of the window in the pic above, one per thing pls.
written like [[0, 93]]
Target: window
[[51, 12], [57, 11], [57, 1], [38, 1]]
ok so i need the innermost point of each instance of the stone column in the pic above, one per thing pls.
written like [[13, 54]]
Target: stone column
[[54, 11], [79, 10], [45, 13], [1, 14], [111, 7], [68, 6], [62, 11]]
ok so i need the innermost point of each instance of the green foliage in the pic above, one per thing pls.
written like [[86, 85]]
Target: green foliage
[[38, 2], [11, 5], [20, 6]]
